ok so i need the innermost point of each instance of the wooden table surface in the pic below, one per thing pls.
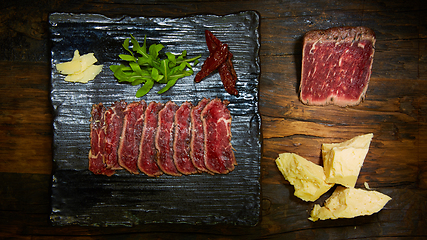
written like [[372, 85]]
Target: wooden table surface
[[395, 110]]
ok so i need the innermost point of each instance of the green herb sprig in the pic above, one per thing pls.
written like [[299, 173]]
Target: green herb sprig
[[147, 67]]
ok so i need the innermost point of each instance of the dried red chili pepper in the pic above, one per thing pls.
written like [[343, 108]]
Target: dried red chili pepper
[[212, 62], [226, 70], [228, 76], [212, 41]]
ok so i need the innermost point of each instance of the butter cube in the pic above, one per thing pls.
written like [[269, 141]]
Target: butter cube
[[348, 203], [342, 161], [307, 177]]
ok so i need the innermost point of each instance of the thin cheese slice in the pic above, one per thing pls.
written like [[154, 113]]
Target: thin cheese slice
[[83, 77], [342, 161], [70, 67], [80, 68], [87, 60], [307, 177], [348, 203]]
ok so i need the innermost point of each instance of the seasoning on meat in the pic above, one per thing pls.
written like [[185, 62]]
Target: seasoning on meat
[[97, 135], [113, 118], [226, 70], [197, 144], [147, 149], [219, 155], [131, 136], [164, 139], [336, 66], [181, 144]]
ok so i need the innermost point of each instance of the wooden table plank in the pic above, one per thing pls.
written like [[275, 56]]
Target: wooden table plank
[[26, 117]]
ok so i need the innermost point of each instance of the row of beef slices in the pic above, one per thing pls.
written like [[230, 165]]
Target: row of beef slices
[[159, 138]]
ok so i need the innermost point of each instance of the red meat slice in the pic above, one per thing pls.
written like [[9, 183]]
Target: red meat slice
[[197, 144], [219, 155], [181, 144], [97, 134], [113, 127], [165, 138], [131, 136], [147, 150], [336, 66]]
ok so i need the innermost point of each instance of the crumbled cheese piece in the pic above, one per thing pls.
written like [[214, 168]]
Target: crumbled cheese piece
[[348, 203], [342, 161], [307, 177], [366, 185], [80, 68]]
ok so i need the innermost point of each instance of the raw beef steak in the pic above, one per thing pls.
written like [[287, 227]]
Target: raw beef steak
[[113, 118], [336, 66], [164, 139], [197, 143], [147, 150], [97, 141], [181, 144], [219, 155], [131, 136]]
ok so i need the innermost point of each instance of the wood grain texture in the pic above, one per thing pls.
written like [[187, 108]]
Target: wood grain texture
[[395, 110], [25, 118]]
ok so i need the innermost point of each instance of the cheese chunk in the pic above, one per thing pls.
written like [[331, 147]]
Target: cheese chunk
[[307, 177], [342, 161], [349, 203], [80, 68]]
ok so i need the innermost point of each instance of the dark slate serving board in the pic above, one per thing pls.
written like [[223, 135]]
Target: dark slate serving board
[[82, 198]]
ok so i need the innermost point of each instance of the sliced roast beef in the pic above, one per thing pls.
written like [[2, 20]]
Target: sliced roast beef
[[97, 137], [131, 136], [147, 149], [164, 139], [159, 138], [197, 144], [219, 155], [182, 138], [336, 66], [113, 118]]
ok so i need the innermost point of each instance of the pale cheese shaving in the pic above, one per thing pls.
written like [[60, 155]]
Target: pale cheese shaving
[[80, 69]]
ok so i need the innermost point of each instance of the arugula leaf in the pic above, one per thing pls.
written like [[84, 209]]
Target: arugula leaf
[[126, 46], [127, 57], [155, 75], [171, 58], [170, 83], [155, 49], [164, 69], [135, 44], [147, 67], [145, 88]]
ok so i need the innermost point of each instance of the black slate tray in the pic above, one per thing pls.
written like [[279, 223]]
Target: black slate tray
[[82, 198]]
